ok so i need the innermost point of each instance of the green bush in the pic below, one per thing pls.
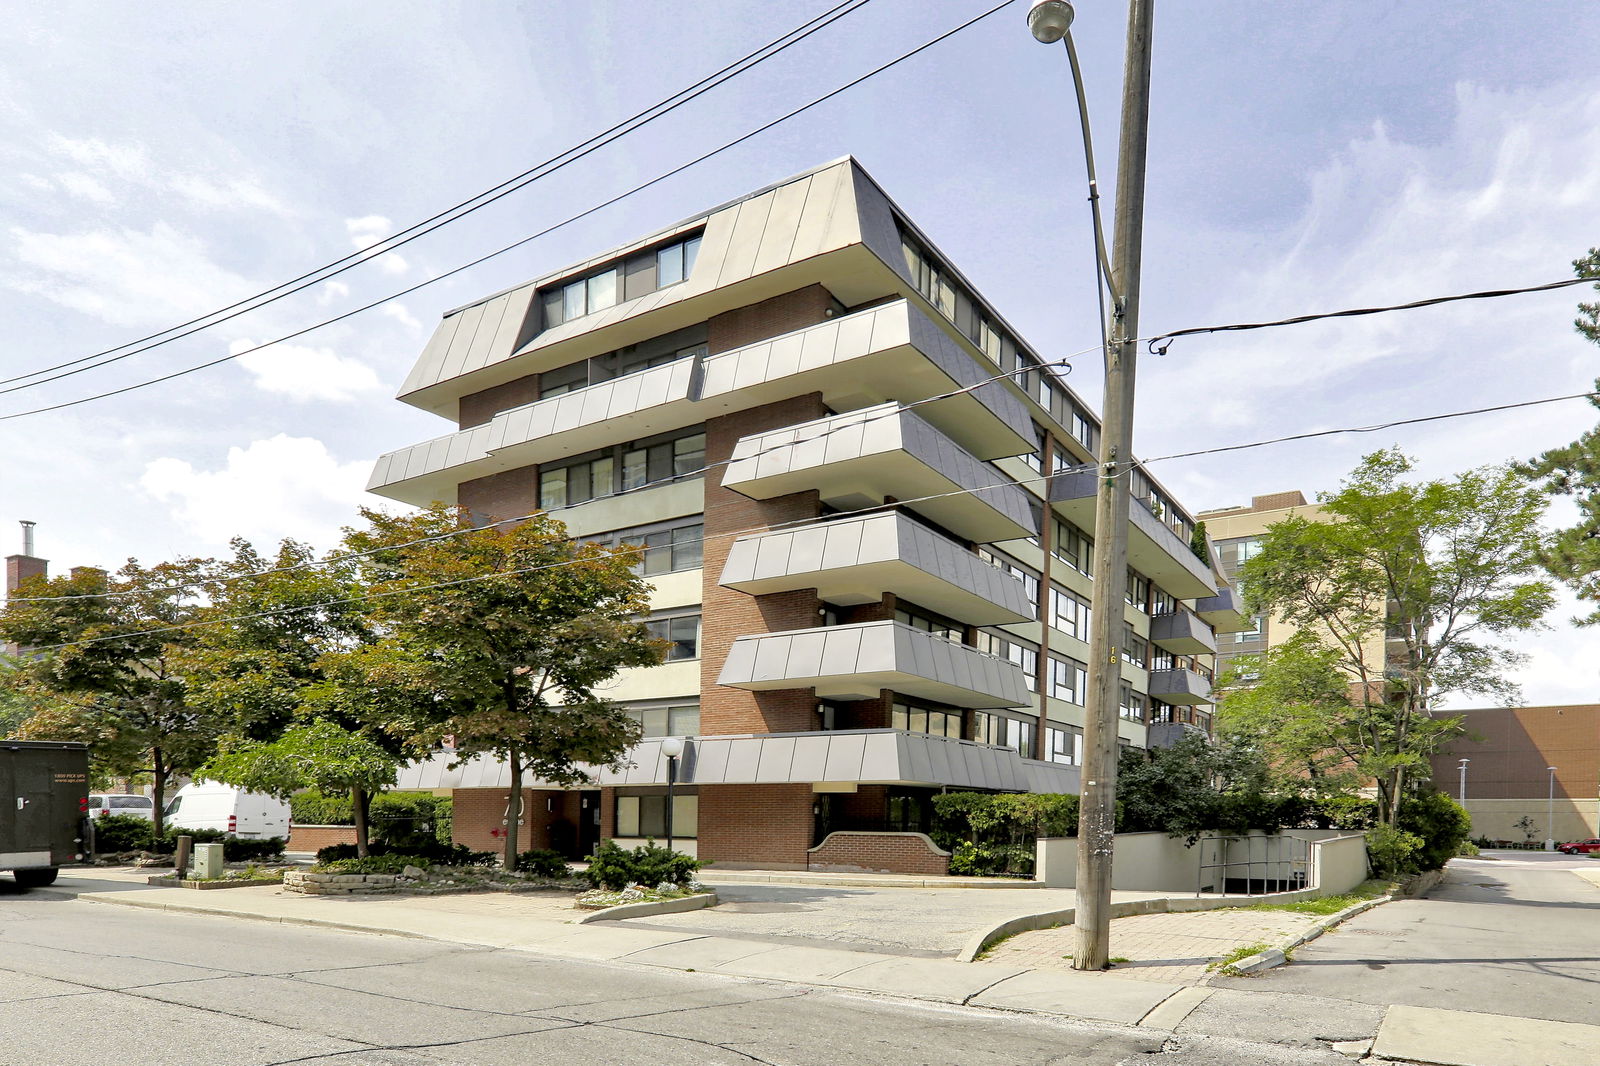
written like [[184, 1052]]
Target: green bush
[[318, 808], [1392, 852], [123, 832], [542, 862], [430, 852], [372, 864], [616, 868], [1439, 822], [393, 817], [993, 834]]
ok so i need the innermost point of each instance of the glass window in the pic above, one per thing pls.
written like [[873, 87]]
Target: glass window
[[929, 623], [933, 720], [602, 290], [573, 301], [1131, 704], [686, 547], [1073, 546], [667, 721], [1135, 649], [683, 721], [1068, 679], [669, 265], [646, 816], [634, 470], [1069, 613], [1138, 590], [682, 633], [1063, 745], [689, 454], [553, 489], [1019, 735]]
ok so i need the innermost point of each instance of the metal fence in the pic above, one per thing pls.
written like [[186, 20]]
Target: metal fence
[[1268, 865]]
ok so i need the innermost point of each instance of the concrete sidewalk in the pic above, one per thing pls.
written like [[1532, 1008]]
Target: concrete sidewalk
[[530, 923]]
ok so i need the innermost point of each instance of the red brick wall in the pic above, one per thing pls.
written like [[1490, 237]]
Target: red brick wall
[[316, 837], [20, 568], [508, 494], [888, 853], [762, 826], [727, 614], [479, 817], [769, 318], [1517, 746], [480, 407]]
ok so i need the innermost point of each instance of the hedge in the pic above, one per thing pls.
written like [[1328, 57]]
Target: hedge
[[395, 817], [993, 834], [126, 832]]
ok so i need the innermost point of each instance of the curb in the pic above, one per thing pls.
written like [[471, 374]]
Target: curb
[[1279, 956], [180, 908], [650, 907]]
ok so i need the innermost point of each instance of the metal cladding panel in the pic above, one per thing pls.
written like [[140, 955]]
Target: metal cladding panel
[[481, 351], [841, 652], [519, 303], [880, 758], [808, 551], [380, 471], [744, 755], [713, 251], [842, 544], [939, 762], [915, 761], [810, 758], [855, 337], [884, 538], [876, 221], [426, 371], [776, 759], [846, 753], [1052, 778], [450, 366], [772, 659], [739, 666], [805, 655], [772, 554], [711, 761], [824, 191], [784, 356], [891, 326], [738, 263], [749, 366], [817, 347], [777, 239]]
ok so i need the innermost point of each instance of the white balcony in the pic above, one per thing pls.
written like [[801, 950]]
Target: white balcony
[[856, 661], [890, 352], [1153, 549], [857, 560], [859, 459]]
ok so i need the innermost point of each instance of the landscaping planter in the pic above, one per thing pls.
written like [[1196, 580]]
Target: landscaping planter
[[230, 882], [315, 884]]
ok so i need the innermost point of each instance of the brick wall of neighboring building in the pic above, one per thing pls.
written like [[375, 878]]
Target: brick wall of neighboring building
[[316, 837], [888, 853], [480, 407], [727, 614], [20, 568], [507, 494], [1518, 744], [760, 826], [769, 318]]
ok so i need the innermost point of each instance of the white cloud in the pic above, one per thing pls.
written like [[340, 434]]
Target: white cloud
[[306, 373], [401, 314], [332, 291], [279, 487], [85, 188], [367, 230], [132, 165], [393, 263], [126, 277]]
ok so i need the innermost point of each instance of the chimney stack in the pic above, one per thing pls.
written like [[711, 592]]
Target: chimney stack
[[20, 568], [27, 536]]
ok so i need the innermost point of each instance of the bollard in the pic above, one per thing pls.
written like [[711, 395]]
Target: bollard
[[180, 861]]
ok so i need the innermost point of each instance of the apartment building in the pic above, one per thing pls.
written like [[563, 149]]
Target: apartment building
[[870, 550]]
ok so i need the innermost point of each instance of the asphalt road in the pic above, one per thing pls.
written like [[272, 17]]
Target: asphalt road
[[1518, 934], [91, 984]]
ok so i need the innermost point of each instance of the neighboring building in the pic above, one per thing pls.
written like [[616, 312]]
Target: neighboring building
[[743, 394], [20, 568], [1508, 777]]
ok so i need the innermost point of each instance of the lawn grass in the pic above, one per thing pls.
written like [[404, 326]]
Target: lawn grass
[[1331, 904], [1239, 954]]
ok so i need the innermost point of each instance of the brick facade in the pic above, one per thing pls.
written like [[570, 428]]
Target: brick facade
[[478, 821], [761, 826], [316, 837], [480, 407], [1518, 745], [508, 494], [769, 318], [901, 853]]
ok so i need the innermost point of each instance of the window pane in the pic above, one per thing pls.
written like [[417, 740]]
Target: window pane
[[552, 308], [601, 476], [686, 554], [627, 816], [603, 290], [572, 300], [689, 453], [660, 464], [633, 469], [685, 816], [685, 637], [683, 721], [553, 489], [658, 553], [691, 251], [669, 265]]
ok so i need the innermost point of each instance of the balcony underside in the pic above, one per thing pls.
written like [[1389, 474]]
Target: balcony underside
[[1184, 687], [1153, 549], [1182, 633], [1224, 612]]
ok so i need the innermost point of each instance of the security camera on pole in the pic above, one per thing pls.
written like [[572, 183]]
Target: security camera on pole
[[1050, 21]]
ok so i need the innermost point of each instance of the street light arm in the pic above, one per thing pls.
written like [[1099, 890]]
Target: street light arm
[[1103, 259]]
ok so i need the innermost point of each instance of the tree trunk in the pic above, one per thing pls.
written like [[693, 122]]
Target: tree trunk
[[513, 809], [158, 788], [359, 801]]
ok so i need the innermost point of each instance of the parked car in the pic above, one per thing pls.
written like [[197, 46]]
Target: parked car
[[104, 803], [209, 805], [1580, 847]]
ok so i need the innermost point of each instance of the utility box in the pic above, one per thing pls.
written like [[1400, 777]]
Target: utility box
[[207, 863]]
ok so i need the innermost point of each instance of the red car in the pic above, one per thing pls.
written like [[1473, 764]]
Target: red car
[[1580, 847]]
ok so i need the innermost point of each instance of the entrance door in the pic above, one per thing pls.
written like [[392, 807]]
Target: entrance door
[[588, 822]]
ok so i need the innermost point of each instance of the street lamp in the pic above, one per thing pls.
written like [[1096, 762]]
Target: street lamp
[[671, 747], [1463, 791], [1550, 813], [1050, 21]]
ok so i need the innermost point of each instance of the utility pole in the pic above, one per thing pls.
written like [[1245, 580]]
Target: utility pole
[[1097, 812]]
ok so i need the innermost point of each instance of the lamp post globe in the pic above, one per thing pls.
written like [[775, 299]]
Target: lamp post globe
[[1048, 20], [671, 747]]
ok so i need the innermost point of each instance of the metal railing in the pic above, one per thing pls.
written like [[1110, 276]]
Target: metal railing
[[1270, 864]]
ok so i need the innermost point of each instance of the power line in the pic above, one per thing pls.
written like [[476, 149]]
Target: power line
[[525, 240], [450, 214], [1377, 427], [1356, 312], [1065, 361]]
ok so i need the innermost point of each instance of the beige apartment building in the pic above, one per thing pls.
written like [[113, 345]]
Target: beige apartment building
[[862, 501]]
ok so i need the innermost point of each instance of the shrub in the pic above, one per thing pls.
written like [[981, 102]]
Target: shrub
[[123, 832], [372, 864], [616, 868], [1392, 851], [542, 862], [993, 834], [429, 852], [394, 817], [1439, 822]]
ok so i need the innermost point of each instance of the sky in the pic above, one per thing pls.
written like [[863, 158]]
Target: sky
[[156, 164]]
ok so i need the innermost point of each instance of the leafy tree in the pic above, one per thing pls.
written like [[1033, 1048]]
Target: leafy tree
[[20, 699], [1408, 587], [510, 635], [1572, 554], [1196, 786], [110, 647]]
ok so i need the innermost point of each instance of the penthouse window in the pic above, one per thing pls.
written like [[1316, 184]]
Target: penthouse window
[[626, 279]]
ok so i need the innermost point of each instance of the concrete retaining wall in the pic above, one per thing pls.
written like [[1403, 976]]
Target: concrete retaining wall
[[1156, 862], [313, 884]]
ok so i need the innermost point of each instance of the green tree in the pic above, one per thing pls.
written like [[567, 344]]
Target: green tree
[[1572, 553], [20, 699], [1194, 787], [510, 634], [1410, 585], [110, 647]]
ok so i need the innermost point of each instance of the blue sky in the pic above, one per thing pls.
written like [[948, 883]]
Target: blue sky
[[1303, 157]]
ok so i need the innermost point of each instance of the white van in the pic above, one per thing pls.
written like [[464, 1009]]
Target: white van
[[247, 815]]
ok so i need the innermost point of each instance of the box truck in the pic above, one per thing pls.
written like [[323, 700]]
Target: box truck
[[44, 798]]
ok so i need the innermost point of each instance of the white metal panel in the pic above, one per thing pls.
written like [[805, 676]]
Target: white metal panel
[[788, 201], [822, 198], [740, 259], [810, 758], [461, 343], [744, 754], [777, 753], [772, 658], [805, 655], [426, 372], [845, 753]]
